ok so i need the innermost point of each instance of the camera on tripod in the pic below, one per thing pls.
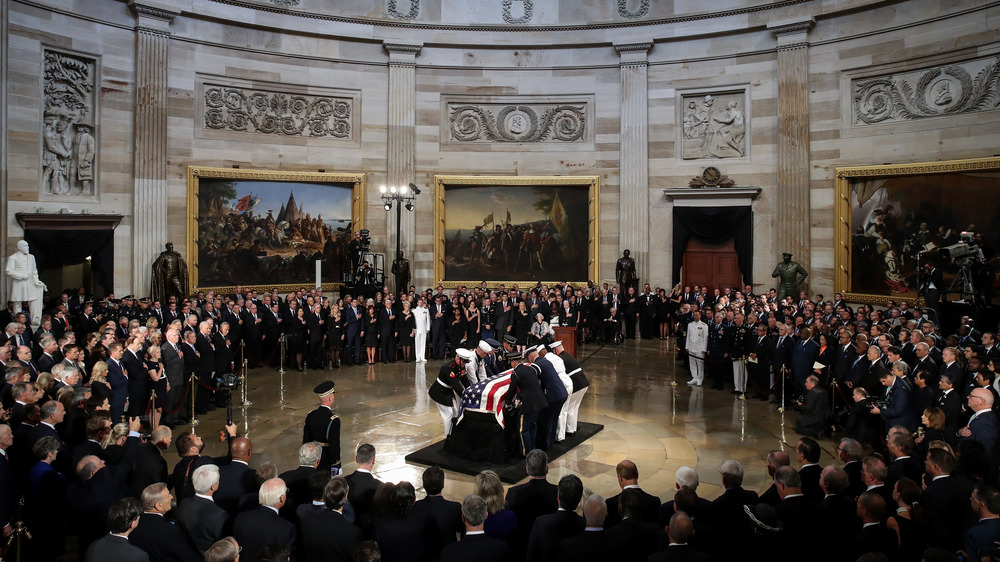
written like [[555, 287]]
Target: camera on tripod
[[964, 252], [228, 381], [366, 240]]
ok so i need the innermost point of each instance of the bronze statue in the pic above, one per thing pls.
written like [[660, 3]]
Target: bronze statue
[[170, 276], [401, 269], [792, 275], [625, 273]]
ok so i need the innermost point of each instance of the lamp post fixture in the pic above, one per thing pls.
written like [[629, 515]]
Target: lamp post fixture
[[402, 196]]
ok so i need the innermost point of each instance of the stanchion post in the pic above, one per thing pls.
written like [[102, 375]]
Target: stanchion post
[[194, 389], [782, 407], [243, 392], [673, 368], [152, 409], [281, 352], [743, 376], [833, 403]]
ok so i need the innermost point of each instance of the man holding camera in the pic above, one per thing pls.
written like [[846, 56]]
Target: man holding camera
[[895, 404]]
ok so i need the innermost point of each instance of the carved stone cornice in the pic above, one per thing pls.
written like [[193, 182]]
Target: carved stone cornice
[[153, 12], [793, 28], [402, 54], [633, 54], [634, 47], [402, 48], [793, 35]]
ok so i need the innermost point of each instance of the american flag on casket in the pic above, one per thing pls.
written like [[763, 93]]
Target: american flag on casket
[[486, 397]]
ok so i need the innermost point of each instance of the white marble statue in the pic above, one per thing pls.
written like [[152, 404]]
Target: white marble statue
[[24, 283]]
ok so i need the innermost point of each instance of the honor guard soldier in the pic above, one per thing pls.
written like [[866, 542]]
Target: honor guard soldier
[[323, 426], [446, 392], [526, 398], [580, 385]]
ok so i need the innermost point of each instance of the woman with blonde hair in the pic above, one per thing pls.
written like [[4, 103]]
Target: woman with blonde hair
[[99, 381], [501, 522]]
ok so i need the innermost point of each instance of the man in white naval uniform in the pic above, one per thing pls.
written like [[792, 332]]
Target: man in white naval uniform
[[696, 346], [423, 325], [24, 283], [564, 377]]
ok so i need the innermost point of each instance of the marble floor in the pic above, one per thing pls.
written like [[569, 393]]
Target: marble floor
[[646, 419]]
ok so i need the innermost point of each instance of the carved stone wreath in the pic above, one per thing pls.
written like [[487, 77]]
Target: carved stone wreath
[[624, 12], [393, 10], [505, 9], [518, 123], [946, 90], [275, 113]]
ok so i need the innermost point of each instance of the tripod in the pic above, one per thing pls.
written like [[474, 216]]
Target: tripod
[[964, 276]]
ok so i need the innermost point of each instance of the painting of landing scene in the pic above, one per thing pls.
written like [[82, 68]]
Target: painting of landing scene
[[268, 229], [510, 229], [903, 217]]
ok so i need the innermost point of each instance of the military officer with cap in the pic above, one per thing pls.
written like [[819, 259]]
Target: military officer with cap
[[446, 392], [580, 385], [526, 397], [492, 361], [323, 426], [476, 365]]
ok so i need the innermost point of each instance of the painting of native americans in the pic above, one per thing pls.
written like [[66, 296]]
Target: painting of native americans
[[520, 232], [903, 223], [271, 232]]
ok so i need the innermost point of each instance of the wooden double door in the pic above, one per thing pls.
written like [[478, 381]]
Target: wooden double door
[[714, 265]]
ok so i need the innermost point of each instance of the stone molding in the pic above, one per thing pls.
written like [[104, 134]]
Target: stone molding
[[517, 123], [402, 54], [970, 86], [234, 108], [69, 157], [506, 11], [792, 28], [285, 3]]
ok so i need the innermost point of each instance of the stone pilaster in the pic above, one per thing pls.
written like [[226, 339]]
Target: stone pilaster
[[149, 216], [402, 147], [792, 213], [3, 153], [633, 213]]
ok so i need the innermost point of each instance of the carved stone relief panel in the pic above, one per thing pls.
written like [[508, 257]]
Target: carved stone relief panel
[[713, 124], [641, 11], [69, 120], [239, 108], [964, 87], [517, 119], [393, 7], [514, 16]]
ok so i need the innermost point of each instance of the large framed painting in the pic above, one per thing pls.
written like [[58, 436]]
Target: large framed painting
[[266, 229], [894, 219], [515, 229]]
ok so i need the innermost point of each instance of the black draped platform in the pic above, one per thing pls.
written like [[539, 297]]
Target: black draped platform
[[479, 443]]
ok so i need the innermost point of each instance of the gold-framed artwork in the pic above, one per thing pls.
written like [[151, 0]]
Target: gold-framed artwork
[[893, 219], [515, 229], [265, 229]]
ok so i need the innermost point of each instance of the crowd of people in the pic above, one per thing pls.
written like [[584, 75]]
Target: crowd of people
[[915, 405]]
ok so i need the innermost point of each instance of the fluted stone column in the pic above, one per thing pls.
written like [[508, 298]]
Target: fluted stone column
[[633, 213], [792, 224], [149, 216], [402, 147], [3, 153]]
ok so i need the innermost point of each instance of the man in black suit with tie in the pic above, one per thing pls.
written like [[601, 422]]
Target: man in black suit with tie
[[24, 357], [387, 331], [202, 519], [950, 366], [549, 530], [945, 501], [447, 514], [261, 527], [159, 538], [781, 357], [150, 466], [531, 500], [362, 483], [138, 376], [798, 515], [297, 480], [353, 318], [253, 335], [950, 401], [476, 545], [628, 479], [122, 517], [236, 479], [327, 536], [173, 367], [761, 349], [206, 367], [727, 511], [439, 327]]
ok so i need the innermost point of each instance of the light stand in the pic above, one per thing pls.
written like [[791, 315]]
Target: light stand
[[402, 196]]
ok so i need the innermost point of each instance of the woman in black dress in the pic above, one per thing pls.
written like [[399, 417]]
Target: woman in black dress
[[334, 336], [158, 382], [472, 329], [295, 333], [522, 322], [370, 328], [316, 328], [406, 326], [99, 386], [456, 329]]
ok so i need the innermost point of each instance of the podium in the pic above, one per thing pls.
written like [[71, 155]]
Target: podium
[[568, 336]]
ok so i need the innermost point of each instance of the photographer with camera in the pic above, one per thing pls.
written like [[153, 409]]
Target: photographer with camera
[[894, 407]]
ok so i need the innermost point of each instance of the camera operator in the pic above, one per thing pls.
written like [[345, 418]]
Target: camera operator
[[895, 407], [931, 284]]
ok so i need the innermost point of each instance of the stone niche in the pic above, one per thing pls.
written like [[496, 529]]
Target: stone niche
[[714, 124], [69, 165]]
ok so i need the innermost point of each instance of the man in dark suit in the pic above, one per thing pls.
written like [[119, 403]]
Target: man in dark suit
[[803, 358], [362, 483], [815, 409], [173, 367], [253, 329], [236, 479], [206, 367], [531, 500], [122, 517], [874, 536], [353, 317], [945, 501], [808, 452], [798, 515], [138, 377], [680, 532], [949, 366], [838, 511], [593, 543], [261, 527], [297, 480], [447, 514], [99, 487], [932, 283], [150, 466], [6, 476], [327, 536], [203, 520], [636, 538], [982, 425], [759, 361], [903, 465], [950, 401], [387, 331], [981, 537], [897, 394], [628, 479], [475, 545], [727, 511], [549, 530], [781, 357], [159, 538], [439, 312]]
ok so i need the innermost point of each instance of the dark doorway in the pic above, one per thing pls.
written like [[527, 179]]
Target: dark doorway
[[713, 265]]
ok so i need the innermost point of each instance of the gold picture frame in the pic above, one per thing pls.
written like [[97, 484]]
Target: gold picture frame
[[564, 227], [279, 181], [892, 217]]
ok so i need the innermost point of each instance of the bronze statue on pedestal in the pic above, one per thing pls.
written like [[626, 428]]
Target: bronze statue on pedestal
[[792, 275], [170, 276]]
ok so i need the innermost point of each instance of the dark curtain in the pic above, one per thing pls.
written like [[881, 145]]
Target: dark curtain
[[56, 248], [715, 225]]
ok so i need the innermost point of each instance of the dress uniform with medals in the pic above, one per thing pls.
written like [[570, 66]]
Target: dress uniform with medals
[[323, 426], [718, 354]]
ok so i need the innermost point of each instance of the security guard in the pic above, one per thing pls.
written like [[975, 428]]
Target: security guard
[[323, 426]]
